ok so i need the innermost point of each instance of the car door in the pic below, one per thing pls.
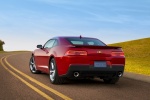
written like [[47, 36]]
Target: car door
[[42, 57]]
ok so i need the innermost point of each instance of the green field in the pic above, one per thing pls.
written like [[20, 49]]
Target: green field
[[137, 53]]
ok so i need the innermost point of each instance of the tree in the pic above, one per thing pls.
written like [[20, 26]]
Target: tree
[[1, 45]]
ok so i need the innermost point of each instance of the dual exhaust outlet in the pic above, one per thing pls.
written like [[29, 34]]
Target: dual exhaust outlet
[[120, 74], [77, 74]]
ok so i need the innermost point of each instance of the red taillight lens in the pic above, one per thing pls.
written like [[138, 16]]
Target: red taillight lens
[[72, 52], [117, 54]]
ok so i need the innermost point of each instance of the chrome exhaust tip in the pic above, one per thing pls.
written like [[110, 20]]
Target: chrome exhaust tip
[[120, 74], [76, 74]]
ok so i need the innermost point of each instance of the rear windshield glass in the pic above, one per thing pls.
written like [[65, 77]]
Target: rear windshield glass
[[85, 41]]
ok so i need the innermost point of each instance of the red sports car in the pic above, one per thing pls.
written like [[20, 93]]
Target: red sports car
[[78, 57]]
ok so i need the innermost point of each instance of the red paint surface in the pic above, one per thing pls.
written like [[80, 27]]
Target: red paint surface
[[42, 56]]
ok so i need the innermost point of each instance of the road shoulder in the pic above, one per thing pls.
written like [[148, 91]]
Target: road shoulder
[[138, 77]]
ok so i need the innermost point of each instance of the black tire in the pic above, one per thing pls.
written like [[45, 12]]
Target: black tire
[[53, 75], [32, 66], [111, 80]]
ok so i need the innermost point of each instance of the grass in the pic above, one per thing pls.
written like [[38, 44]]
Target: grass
[[2, 51], [137, 54], [14, 51]]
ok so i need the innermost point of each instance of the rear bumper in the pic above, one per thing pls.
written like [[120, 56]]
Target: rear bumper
[[91, 71]]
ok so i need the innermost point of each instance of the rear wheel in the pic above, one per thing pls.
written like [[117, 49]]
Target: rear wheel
[[33, 66], [53, 74], [111, 80]]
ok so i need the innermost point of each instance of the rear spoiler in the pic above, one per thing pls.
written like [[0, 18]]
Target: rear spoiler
[[96, 47]]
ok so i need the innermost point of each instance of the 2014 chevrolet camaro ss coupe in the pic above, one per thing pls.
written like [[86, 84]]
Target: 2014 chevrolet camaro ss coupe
[[78, 57]]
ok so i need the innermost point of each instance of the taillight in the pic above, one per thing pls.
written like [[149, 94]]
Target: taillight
[[117, 54], [73, 52]]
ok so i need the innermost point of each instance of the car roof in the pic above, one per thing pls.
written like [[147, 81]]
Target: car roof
[[72, 37]]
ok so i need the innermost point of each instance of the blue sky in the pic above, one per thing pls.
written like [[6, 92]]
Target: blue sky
[[26, 23]]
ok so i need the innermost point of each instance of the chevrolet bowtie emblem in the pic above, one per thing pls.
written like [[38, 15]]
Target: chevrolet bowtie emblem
[[99, 52]]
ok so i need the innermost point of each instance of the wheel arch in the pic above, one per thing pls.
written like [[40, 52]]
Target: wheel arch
[[51, 56]]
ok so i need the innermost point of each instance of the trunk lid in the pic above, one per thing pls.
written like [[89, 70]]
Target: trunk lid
[[100, 51]]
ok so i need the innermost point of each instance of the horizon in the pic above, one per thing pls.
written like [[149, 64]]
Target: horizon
[[106, 44], [26, 23]]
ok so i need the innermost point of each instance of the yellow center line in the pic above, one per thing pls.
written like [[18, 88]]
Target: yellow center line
[[25, 82], [37, 82]]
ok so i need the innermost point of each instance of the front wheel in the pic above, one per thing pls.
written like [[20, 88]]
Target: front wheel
[[33, 66], [53, 74], [111, 80]]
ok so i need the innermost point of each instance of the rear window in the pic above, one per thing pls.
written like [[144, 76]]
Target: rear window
[[85, 41]]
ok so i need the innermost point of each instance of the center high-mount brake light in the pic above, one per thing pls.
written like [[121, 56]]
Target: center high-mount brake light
[[72, 52], [117, 54]]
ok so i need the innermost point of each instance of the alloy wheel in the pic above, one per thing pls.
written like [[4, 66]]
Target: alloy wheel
[[52, 72]]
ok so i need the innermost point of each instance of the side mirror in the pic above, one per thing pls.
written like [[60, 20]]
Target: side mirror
[[39, 46]]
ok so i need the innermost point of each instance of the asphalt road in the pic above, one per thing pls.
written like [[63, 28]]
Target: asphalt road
[[18, 83]]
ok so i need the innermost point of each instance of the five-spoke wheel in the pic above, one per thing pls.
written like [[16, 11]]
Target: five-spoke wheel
[[33, 66]]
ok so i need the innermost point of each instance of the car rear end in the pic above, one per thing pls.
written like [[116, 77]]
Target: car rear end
[[89, 57]]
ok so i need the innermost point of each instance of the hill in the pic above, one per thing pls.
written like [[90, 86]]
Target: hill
[[137, 54]]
